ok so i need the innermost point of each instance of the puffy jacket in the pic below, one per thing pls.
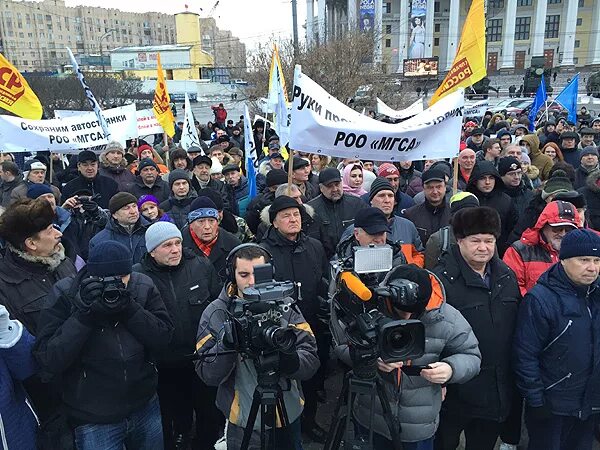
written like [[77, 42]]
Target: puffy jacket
[[428, 218], [119, 174], [106, 187], [178, 208], [538, 159], [236, 377], [186, 290], [336, 216], [531, 256], [18, 421], [106, 371], [556, 346], [302, 260], [492, 313], [135, 241], [416, 402], [591, 192], [25, 282], [160, 189]]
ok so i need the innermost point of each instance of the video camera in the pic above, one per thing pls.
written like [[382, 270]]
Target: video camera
[[362, 306], [256, 326]]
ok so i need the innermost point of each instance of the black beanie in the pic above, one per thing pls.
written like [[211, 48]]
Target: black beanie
[[275, 177], [379, 184], [109, 258], [280, 203], [119, 200]]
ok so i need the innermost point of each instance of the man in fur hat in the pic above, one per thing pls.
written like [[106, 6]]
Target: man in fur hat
[[485, 291]]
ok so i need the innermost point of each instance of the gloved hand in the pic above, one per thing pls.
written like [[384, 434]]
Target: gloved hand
[[538, 412], [10, 330], [90, 291], [289, 363], [116, 308], [90, 207]]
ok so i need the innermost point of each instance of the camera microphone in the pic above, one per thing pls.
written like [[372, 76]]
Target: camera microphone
[[356, 286]]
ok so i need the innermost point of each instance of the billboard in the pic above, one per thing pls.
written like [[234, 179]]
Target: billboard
[[421, 67], [416, 45], [367, 15]]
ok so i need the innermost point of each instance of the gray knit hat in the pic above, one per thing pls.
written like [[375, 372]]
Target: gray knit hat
[[178, 174], [159, 232]]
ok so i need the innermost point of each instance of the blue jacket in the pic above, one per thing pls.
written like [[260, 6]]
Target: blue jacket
[[19, 424], [556, 346], [239, 197], [136, 241]]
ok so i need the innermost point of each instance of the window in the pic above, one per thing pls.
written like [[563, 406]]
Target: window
[[579, 21], [436, 42], [581, 3], [522, 28], [496, 3], [436, 7], [575, 60], [494, 30], [388, 29], [554, 2], [436, 28], [388, 8], [552, 26], [388, 43], [524, 2], [577, 43]]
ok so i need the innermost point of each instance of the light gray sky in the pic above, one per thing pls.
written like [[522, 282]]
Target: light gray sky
[[253, 21]]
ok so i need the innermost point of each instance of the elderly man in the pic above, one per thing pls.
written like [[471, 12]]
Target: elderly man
[[35, 175], [466, 163], [237, 189], [201, 178], [90, 180], [556, 348], [589, 164], [538, 248]]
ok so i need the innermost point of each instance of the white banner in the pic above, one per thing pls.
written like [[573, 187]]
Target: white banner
[[67, 134], [189, 134], [476, 109], [412, 110], [323, 125], [147, 123]]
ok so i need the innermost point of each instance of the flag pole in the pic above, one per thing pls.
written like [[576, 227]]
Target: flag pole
[[51, 170], [455, 176], [290, 169]]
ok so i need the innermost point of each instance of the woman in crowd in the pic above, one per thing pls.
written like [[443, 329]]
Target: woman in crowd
[[352, 180]]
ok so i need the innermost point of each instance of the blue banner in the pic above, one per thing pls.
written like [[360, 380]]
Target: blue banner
[[367, 15]]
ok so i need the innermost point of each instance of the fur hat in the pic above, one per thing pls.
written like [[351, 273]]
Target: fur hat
[[479, 220], [23, 219]]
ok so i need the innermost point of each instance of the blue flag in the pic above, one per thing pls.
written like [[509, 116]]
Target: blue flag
[[538, 102], [568, 98], [250, 154]]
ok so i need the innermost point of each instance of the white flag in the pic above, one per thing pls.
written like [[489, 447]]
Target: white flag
[[282, 114], [249, 147], [412, 110], [189, 134], [90, 95]]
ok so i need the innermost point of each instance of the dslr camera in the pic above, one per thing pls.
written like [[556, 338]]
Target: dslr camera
[[256, 325], [112, 289]]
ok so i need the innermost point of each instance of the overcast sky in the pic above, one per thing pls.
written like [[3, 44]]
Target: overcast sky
[[252, 21]]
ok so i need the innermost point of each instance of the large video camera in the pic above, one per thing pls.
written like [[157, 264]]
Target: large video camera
[[256, 326], [362, 306]]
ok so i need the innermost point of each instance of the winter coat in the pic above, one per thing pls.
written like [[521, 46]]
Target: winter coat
[[25, 282], [106, 370], [78, 228], [437, 245], [415, 402], [410, 181], [218, 256], [428, 218], [186, 290], [309, 191], [19, 192], [419, 199], [239, 197], [496, 199], [123, 177], [520, 195], [255, 207], [136, 241], [18, 422], [476, 147], [178, 208], [581, 174], [572, 155], [556, 347], [236, 377], [6, 189], [106, 187], [538, 159], [533, 176], [215, 185], [336, 216], [492, 313], [160, 189], [528, 218], [591, 192], [302, 260]]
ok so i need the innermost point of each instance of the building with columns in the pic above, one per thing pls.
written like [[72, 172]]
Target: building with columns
[[565, 32]]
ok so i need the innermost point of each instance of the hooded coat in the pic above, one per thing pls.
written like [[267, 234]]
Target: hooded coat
[[538, 159], [531, 256]]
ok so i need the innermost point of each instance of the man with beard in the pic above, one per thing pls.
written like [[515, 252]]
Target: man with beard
[[539, 247], [114, 165]]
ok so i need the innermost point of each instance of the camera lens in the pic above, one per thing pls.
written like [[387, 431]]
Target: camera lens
[[397, 340], [111, 295], [279, 338]]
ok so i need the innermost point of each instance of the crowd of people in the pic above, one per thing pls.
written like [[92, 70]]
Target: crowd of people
[[118, 271]]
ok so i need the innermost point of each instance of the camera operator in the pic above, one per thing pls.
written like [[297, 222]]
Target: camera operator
[[98, 330], [451, 353], [236, 377], [186, 283]]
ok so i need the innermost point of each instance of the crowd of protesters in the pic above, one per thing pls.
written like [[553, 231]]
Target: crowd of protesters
[[117, 269]]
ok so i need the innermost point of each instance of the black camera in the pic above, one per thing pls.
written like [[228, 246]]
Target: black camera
[[112, 289], [256, 325]]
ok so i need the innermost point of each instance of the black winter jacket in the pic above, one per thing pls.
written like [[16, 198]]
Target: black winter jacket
[[107, 371], [160, 189], [178, 208], [428, 218], [217, 186], [186, 290], [492, 313], [106, 187], [254, 208], [521, 196], [301, 261], [591, 192]]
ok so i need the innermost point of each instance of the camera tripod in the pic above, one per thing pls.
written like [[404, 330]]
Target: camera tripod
[[269, 399], [363, 380]]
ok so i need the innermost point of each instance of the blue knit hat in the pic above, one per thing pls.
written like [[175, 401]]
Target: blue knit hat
[[37, 189], [581, 242], [109, 258]]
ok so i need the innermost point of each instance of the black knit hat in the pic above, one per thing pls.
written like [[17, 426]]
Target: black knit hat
[[146, 162], [212, 195], [280, 203], [119, 200], [379, 184], [275, 177], [23, 219], [577, 199], [479, 220], [109, 258], [178, 174], [508, 164]]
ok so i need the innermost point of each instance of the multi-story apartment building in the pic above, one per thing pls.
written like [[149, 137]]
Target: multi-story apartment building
[[227, 50]]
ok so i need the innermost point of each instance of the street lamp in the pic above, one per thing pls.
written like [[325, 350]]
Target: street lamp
[[104, 36]]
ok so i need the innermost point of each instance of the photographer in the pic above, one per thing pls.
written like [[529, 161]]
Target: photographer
[[451, 353], [236, 377], [98, 330]]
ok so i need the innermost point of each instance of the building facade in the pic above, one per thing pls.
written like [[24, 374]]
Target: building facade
[[565, 32], [227, 50], [34, 35]]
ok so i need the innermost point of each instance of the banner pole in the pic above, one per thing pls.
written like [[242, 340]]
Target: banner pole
[[166, 142], [455, 176], [51, 168], [290, 168]]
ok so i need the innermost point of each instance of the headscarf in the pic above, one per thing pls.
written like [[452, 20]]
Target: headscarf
[[357, 192]]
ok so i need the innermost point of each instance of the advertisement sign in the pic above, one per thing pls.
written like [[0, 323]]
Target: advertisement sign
[[421, 67], [416, 45], [367, 15]]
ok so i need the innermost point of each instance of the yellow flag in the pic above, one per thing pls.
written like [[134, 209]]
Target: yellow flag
[[162, 102], [15, 94], [469, 64]]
